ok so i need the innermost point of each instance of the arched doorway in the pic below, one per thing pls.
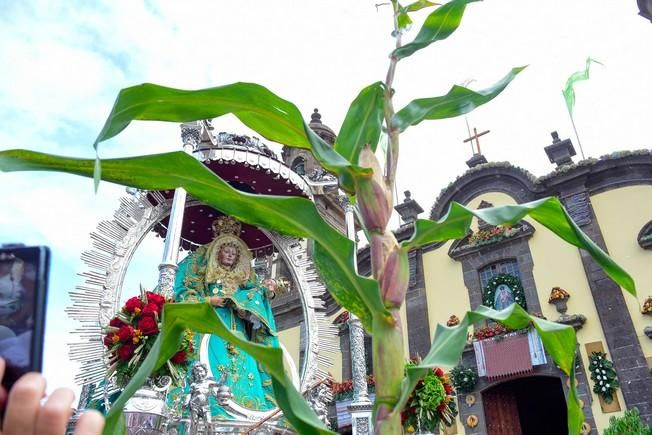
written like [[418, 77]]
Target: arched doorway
[[532, 405]]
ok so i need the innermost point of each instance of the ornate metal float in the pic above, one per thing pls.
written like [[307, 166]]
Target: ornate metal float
[[248, 165]]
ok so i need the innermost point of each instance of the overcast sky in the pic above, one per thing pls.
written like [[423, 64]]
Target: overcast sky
[[62, 65]]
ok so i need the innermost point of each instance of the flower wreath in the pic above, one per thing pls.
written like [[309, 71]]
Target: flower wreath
[[603, 376], [489, 291], [463, 378]]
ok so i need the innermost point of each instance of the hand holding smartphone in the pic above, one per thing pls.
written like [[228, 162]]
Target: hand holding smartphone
[[23, 287]]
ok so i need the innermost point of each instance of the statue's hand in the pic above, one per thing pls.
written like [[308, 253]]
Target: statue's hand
[[217, 301], [270, 284], [243, 314]]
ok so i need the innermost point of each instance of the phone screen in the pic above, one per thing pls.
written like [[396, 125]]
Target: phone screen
[[23, 284]]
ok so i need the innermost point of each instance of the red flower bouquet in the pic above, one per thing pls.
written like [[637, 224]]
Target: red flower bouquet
[[131, 334]]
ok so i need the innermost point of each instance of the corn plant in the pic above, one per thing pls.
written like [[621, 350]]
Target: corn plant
[[375, 299]]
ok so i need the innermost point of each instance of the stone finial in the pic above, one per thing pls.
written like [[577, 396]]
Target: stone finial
[[409, 209], [560, 151], [482, 225], [477, 159], [645, 9], [315, 117], [322, 130]]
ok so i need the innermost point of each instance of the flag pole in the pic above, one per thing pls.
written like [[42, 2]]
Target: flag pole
[[577, 136]]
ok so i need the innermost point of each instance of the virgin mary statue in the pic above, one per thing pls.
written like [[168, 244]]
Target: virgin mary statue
[[220, 273]]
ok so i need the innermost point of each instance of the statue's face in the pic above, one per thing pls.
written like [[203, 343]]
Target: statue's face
[[228, 255], [199, 371]]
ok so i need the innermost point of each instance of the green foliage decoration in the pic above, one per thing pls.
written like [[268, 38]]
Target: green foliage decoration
[[463, 378], [629, 423], [603, 375], [431, 404], [489, 291]]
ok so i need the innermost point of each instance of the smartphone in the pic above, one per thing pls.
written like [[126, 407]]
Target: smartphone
[[23, 294]]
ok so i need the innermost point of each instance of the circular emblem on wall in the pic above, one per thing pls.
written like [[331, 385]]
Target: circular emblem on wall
[[502, 291]]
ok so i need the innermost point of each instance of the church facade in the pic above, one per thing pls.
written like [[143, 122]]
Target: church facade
[[609, 198]]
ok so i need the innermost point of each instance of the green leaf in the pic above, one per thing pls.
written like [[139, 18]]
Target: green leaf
[[362, 124], [439, 25], [448, 345], [168, 171], [257, 107], [458, 101], [418, 5], [403, 20], [547, 211], [202, 318]]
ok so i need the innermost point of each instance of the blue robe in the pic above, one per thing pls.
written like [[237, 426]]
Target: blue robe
[[250, 384]]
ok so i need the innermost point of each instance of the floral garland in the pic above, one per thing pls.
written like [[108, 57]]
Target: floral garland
[[464, 378], [647, 306], [432, 403], [496, 330], [558, 294], [603, 376], [489, 292], [490, 235], [130, 336]]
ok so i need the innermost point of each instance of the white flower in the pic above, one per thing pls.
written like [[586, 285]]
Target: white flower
[[598, 377], [608, 386], [601, 382], [604, 389], [603, 372]]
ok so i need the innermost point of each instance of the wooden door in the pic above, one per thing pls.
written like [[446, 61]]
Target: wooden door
[[501, 411]]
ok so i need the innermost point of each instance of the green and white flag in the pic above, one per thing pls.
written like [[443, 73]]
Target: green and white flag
[[568, 91]]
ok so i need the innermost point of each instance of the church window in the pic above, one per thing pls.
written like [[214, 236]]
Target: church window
[[299, 165], [507, 266]]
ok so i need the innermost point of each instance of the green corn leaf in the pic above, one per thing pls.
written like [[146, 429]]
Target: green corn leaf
[[420, 4], [288, 215], [403, 20], [458, 101], [257, 107], [448, 345], [202, 318], [549, 212], [363, 123], [439, 25]]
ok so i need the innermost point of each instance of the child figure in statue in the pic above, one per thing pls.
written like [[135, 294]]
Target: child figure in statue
[[220, 273], [197, 402]]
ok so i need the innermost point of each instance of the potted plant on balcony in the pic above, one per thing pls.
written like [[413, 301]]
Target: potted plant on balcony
[[558, 298]]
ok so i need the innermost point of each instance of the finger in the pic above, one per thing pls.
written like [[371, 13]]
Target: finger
[[90, 423], [3, 390], [23, 405], [53, 416]]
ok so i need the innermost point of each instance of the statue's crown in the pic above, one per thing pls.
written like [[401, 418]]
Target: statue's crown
[[226, 225]]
